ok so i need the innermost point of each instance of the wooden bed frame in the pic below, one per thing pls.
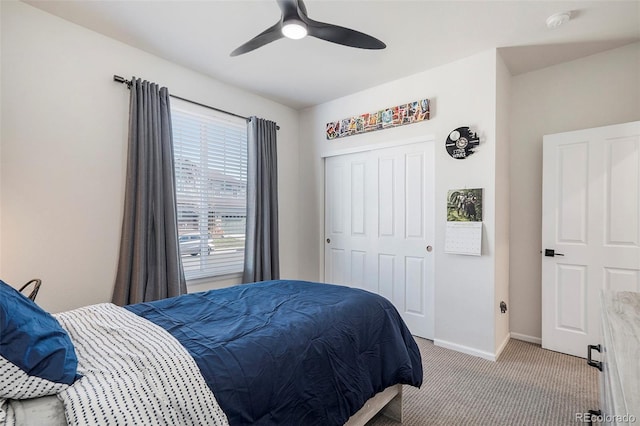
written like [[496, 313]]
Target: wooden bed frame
[[388, 402]]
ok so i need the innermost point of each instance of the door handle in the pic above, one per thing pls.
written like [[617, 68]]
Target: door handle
[[596, 364], [551, 253]]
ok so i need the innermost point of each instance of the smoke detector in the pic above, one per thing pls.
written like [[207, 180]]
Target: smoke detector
[[557, 19]]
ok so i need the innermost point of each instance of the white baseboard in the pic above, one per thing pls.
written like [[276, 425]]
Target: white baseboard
[[524, 337], [503, 345], [483, 354], [465, 349]]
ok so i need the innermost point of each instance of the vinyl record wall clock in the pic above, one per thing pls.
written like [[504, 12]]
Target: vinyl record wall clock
[[461, 143]]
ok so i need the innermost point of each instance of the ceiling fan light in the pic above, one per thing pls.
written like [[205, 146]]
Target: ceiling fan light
[[294, 29]]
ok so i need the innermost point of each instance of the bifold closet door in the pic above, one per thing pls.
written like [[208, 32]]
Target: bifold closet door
[[379, 219]]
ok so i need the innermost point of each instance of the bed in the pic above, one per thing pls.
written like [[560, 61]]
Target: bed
[[271, 353]]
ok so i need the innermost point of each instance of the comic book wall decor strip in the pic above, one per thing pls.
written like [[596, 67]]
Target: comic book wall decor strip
[[412, 112]]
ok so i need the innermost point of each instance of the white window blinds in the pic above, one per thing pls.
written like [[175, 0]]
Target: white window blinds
[[210, 151]]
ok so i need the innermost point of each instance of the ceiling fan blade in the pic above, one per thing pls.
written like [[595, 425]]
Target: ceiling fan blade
[[272, 33], [302, 8], [341, 35], [289, 8]]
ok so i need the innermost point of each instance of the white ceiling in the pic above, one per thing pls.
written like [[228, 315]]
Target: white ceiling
[[419, 35]]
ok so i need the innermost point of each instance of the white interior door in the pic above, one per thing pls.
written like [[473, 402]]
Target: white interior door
[[591, 219], [379, 222]]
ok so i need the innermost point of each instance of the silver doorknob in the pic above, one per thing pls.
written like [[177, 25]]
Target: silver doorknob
[[429, 249]]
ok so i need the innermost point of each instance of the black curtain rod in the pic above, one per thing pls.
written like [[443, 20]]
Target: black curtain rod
[[120, 79]]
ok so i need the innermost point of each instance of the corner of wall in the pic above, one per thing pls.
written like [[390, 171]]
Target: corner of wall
[[311, 201], [502, 204]]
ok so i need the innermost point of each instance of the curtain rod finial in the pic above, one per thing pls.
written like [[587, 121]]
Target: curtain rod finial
[[120, 79]]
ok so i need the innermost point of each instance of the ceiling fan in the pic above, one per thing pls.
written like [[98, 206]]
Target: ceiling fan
[[294, 23]]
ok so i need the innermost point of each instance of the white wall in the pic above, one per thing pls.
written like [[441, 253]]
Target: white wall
[[63, 145], [462, 94], [594, 91]]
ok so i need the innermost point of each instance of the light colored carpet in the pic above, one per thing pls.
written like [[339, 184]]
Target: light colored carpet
[[528, 385]]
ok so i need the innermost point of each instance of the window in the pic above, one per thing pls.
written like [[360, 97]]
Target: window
[[210, 151]]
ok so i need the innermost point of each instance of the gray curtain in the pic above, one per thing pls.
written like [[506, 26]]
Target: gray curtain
[[149, 267], [261, 254]]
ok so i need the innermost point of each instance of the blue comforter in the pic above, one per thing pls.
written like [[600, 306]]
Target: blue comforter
[[291, 352]]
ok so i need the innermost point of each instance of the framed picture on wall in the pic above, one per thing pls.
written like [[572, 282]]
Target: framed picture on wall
[[464, 205]]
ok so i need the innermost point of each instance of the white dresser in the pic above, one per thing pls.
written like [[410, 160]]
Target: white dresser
[[620, 358]]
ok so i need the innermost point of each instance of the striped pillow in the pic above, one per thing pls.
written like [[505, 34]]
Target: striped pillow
[[16, 384]]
